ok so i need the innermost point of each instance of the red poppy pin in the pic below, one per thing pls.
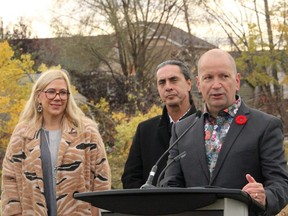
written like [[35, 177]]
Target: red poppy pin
[[241, 119]]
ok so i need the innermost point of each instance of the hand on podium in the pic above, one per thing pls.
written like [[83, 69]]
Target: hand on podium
[[255, 190]]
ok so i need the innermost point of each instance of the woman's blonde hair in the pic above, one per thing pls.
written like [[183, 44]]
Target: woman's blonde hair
[[72, 112]]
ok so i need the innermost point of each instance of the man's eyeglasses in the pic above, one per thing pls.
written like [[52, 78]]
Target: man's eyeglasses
[[51, 94]]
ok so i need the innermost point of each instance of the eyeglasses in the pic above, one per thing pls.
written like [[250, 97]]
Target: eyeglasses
[[51, 94]]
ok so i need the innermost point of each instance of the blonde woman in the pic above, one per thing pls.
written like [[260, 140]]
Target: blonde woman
[[54, 152]]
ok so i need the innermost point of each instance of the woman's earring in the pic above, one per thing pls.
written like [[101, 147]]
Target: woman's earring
[[39, 108]]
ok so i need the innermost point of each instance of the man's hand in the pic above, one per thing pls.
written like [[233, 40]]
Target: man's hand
[[255, 190]]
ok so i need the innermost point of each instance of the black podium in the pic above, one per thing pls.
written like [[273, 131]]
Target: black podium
[[172, 201]]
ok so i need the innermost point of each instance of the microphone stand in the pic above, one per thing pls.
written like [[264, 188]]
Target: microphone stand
[[149, 182], [178, 157]]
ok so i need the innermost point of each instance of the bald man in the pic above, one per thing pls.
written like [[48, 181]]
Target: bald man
[[231, 145]]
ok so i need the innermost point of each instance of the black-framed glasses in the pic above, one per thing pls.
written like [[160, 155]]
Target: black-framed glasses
[[52, 93]]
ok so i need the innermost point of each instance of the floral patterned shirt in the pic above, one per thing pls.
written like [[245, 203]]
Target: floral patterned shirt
[[216, 130]]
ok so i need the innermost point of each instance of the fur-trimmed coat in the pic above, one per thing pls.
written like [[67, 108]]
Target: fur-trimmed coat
[[82, 166]]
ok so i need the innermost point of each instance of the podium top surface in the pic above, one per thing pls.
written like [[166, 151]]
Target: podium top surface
[[163, 200]]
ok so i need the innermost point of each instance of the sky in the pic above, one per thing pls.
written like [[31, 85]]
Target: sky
[[39, 12]]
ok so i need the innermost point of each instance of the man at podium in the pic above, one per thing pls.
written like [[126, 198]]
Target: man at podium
[[231, 145]]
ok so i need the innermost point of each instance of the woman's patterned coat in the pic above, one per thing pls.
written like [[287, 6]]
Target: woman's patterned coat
[[82, 166]]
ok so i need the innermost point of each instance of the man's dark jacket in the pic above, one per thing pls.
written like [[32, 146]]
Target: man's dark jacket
[[254, 146], [150, 142]]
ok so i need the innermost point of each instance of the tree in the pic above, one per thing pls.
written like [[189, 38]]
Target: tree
[[136, 48], [20, 30], [15, 82], [17, 33]]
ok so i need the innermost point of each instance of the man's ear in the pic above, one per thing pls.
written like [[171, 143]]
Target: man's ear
[[189, 82], [198, 84], [238, 80]]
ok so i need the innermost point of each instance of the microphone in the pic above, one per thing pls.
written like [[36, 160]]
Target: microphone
[[178, 157], [153, 171]]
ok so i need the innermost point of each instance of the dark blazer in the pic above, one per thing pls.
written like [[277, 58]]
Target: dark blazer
[[255, 148], [150, 141]]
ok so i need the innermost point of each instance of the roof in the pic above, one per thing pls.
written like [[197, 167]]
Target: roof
[[77, 53], [179, 36]]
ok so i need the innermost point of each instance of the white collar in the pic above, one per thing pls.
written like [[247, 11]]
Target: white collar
[[171, 120]]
